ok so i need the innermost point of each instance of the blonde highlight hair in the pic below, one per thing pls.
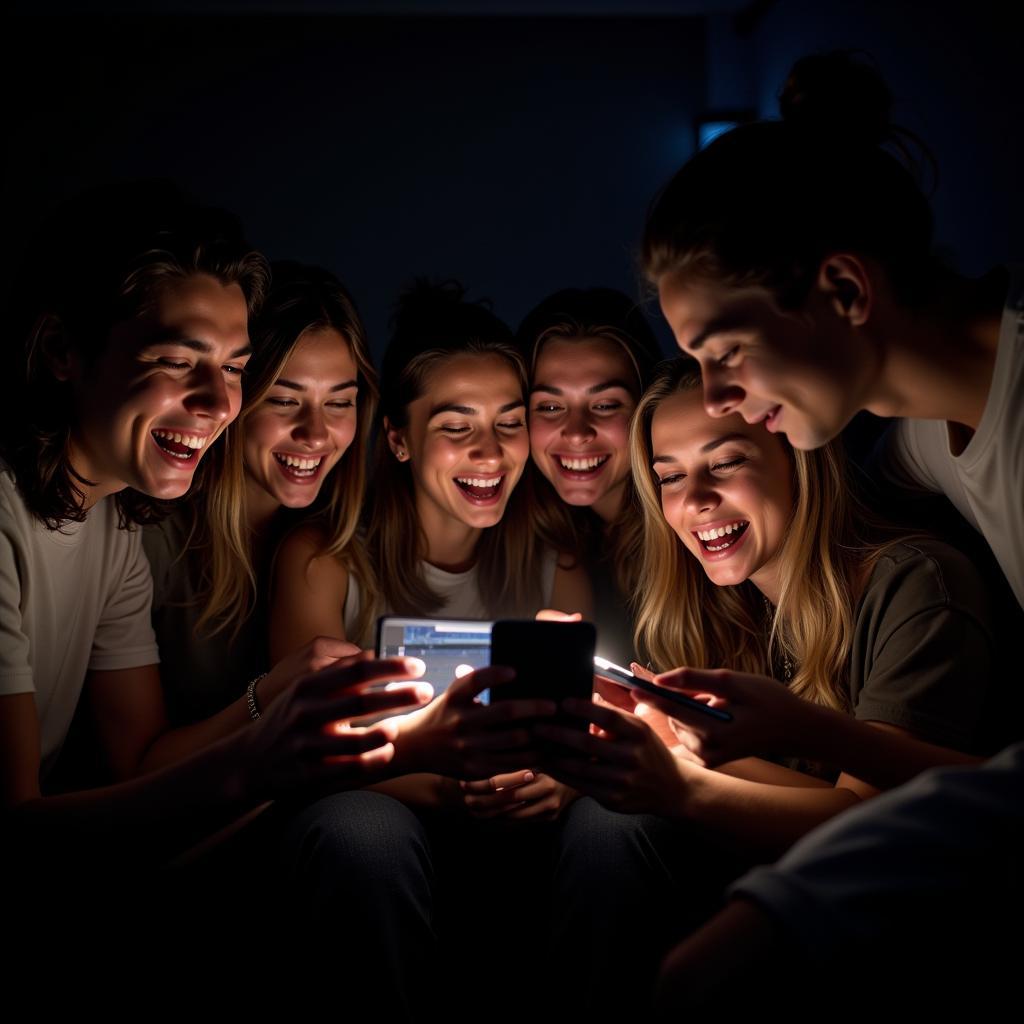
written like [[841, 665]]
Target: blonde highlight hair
[[302, 299], [682, 618]]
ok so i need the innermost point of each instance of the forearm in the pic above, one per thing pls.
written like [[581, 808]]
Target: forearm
[[758, 816], [880, 757], [176, 745], [151, 818], [755, 769]]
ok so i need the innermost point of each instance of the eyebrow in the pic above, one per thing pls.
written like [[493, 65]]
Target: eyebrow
[[722, 325], [197, 346], [548, 389], [468, 410], [293, 386], [709, 447]]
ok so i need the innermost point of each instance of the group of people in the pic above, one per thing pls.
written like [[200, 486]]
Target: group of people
[[210, 495]]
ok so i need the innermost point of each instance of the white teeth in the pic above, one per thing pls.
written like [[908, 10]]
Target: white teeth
[[479, 481], [189, 440], [295, 462], [720, 531], [582, 464]]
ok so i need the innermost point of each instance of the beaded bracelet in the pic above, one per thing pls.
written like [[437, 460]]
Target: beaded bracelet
[[250, 698]]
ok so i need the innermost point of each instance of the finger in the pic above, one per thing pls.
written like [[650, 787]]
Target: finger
[[510, 780], [542, 787], [360, 671], [693, 681], [691, 720], [493, 801], [353, 706], [346, 745], [554, 615], [641, 670], [466, 687]]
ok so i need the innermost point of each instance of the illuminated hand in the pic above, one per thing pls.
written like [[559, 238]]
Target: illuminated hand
[[625, 765], [766, 717], [310, 735], [318, 654], [456, 736]]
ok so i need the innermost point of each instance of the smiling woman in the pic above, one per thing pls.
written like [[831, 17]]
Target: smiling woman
[[298, 444]]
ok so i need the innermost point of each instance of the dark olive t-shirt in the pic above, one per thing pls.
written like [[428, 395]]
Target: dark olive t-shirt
[[201, 674], [924, 655]]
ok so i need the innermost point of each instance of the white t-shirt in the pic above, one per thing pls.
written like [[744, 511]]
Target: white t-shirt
[[71, 601], [459, 590], [986, 480]]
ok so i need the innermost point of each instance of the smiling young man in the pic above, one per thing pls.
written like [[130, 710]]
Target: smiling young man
[[134, 340]]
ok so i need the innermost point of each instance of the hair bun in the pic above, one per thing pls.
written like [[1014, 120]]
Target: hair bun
[[839, 95]]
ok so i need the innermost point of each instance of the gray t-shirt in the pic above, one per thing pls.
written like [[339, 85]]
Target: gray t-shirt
[[986, 480], [71, 601], [202, 674]]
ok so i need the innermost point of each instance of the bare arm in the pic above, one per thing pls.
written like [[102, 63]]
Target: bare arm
[[294, 745], [308, 597]]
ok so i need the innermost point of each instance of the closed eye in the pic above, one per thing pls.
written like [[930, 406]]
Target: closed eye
[[729, 463], [672, 478], [725, 359]]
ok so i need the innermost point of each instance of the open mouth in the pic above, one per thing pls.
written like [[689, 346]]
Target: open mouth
[[183, 448], [581, 467], [480, 489], [299, 468], [721, 538]]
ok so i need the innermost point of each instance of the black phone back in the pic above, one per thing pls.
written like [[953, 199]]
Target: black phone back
[[552, 659]]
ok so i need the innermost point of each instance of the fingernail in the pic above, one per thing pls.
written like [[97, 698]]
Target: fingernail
[[416, 665], [528, 776]]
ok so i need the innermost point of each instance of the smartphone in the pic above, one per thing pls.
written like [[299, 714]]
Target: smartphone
[[450, 648], [618, 674], [552, 659]]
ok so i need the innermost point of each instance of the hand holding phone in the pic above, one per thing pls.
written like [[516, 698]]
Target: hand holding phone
[[623, 676]]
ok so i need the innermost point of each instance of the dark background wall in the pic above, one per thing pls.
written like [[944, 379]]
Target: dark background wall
[[516, 151]]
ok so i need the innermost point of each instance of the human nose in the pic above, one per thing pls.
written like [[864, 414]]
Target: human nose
[[209, 396], [577, 428], [701, 496], [721, 396], [486, 449], [311, 429]]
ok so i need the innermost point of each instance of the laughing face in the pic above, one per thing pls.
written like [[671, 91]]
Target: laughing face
[[803, 374], [580, 405], [164, 387], [305, 422], [725, 488], [465, 441]]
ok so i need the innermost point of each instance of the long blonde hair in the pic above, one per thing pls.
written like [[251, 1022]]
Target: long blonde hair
[[434, 323], [301, 299], [576, 315], [682, 618]]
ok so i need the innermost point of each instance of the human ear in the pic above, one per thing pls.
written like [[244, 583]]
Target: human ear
[[844, 280], [396, 441], [52, 346]]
